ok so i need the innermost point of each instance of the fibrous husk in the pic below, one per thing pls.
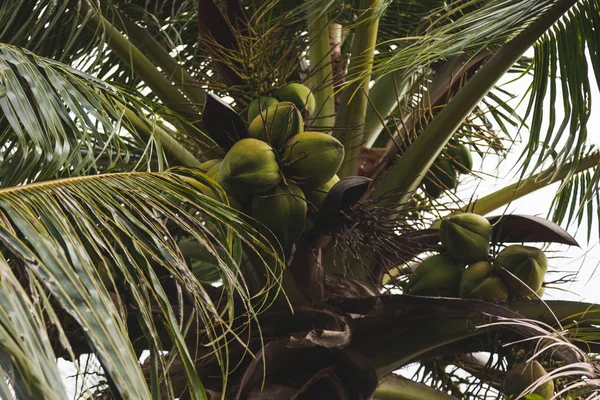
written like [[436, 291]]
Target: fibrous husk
[[259, 105], [312, 158], [250, 166], [522, 375], [277, 124], [466, 237], [528, 264], [437, 275], [283, 211], [300, 95], [480, 281]]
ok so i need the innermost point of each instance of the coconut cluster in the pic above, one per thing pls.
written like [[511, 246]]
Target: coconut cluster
[[443, 174], [275, 172], [516, 271]]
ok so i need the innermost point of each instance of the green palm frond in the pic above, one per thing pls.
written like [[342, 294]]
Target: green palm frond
[[450, 33], [105, 245], [47, 28], [578, 200], [56, 122], [551, 135], [344, 12], [27, 358], [86, 36], [404, 19], [442, 128]]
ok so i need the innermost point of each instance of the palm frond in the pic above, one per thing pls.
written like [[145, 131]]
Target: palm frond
[[56, 122], [451, 33], [577, 197], [440, 131], [27, 358], [574, 38], [106, 245], [85, 36]]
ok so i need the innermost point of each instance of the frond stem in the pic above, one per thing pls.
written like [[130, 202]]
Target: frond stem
[[137, 61], [353, 106], [320, 61], [384, 96], [146, 43], [168, 142], [535, 182]]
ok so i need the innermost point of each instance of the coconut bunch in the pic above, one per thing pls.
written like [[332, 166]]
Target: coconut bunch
[[443, 175], [466, 269], [275, 172]]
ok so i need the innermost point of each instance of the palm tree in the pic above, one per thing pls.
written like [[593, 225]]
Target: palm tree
[[118, 242]]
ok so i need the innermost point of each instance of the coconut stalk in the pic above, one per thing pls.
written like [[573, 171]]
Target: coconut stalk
[[353, 107], [383, 99], [405, 176], [553, 312], [320, 61]]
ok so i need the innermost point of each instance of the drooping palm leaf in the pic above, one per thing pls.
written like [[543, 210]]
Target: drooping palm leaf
[[72, 236], [56, 121], [27, 358], [574, 39]]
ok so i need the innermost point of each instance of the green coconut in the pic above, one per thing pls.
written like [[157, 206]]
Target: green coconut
[[523, 375], [466, 237], [283, 211], [312, 158], [316, 195], [437, 275], [277, 124], [213, 171], [300, 95], [480, 281], [206, 165], [442, 177], [461, 158], [250, 166], [259, 105], [523, 268]]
